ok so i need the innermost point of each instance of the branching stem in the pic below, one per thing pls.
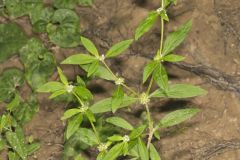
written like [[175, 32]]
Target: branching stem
[[124, 85]]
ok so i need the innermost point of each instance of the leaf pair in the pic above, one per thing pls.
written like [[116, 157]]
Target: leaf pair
[[105, 105]]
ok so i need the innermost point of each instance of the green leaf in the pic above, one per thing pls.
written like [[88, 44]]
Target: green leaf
[[86, 136], [12, 39], [137, 132], [101, 72], [39, 63], [177, 117], [10, 81], [85, 2], [118, 48], [15, 9], [64, 28], [160, 77], [173, 58], [57, 93], [142, 150], [115, 138], [63, 78], [154, 153], [13, 156], [105, 105], [120, 122], [91, 48], [93, 68], [73, 125], [146, 25], [14, 103], [117, 98], [51, 87], [71, 112], [180, 91], [40, 17], [26, 110], [79, 59], [176, 38], [83, 92], [69, 4], [168, 2], [90, 116], [2, 144], [114, 152], [148, 70], [31, 148], [17, 144]]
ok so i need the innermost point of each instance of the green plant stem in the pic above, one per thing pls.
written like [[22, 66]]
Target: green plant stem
[[124, 85], [93, 126], [79, 100], [159, 54], [150, 126], [95, 132]]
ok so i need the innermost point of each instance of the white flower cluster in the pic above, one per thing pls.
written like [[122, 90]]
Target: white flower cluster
[[102, 147], [69, 88], [83, 109], [159, 10], [102, 57], [144, 99], [119, 81], [126, 138]]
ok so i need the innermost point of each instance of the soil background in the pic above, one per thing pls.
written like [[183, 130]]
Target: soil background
[[212, 52]]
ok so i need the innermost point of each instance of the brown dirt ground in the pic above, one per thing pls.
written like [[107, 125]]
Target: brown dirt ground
[[214, 42]]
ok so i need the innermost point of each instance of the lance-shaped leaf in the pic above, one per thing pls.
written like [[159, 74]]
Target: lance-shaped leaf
[[91, 48], [148, 69], [93, 67], [118, 48], [154, 153], [173, 58], [17, 143], [142, 150], [83, 92], [39, 63], [176, 38], [101, 72], [137, 132], [177, 117], [146, 24], [71, 112], [73, 125], [160, 77], [117, 98], [114, 152], [10, 80], [87, 136], [12, 39], [63, 78], [180, 91], [120, 122], [79, 59], [105, 105], [64, 28], [51, 87]]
